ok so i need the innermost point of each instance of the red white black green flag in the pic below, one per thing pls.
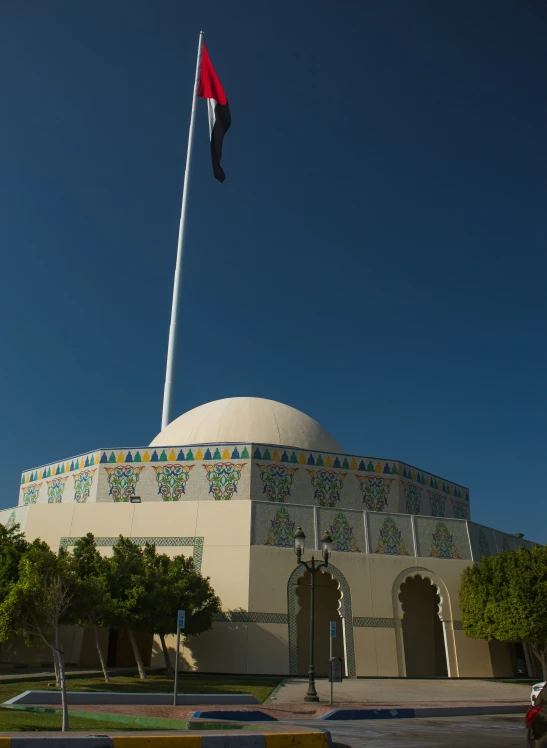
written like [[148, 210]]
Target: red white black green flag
[[220, 119]]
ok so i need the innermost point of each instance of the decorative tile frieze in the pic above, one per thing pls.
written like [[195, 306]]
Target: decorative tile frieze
[[105, 542], [368, 622], [243, 616]]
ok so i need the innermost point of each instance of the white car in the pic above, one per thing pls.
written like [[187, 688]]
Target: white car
[[535, 690]]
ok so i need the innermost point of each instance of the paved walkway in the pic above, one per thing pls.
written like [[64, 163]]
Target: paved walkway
[[388, 692]]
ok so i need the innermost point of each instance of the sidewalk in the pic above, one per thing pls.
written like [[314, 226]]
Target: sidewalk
[[397, 693]]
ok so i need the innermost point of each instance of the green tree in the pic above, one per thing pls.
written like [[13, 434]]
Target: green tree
[[174, 584], [13, 547], [94, 610], [126, 580], [40, 602], [505, 598]]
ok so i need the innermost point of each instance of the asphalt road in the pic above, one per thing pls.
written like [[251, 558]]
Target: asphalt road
[[452, 732]]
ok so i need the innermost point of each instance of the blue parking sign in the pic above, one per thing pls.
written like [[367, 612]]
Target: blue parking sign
[[333, 629], [181, 619]]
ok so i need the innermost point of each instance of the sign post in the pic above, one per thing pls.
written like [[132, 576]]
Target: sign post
[[332, 636], [181, 622]]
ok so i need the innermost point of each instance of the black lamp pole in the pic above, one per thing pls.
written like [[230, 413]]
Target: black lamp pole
[[313, 567]]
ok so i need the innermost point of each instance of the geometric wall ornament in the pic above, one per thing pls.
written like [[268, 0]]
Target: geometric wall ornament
[[82, 485], [223, 478], [172, 480], [437, 503], [413, 497], [342, 534], [443, 543], [282, 530], [122, 481], [277, 480], [390, 541], [460, 509], [328, 486], [369, 622], [196, 543], [374, 490], [243, 616], [30, 494], [55, 489], [345, 611], [11, 521]]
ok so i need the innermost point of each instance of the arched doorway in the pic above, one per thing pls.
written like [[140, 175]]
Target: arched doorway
[[345, 629], [327, 603], [423, 635]]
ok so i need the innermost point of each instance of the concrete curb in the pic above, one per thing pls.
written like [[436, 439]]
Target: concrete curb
[[124, 719], [238, 716], [90, 698], [441, 711], [319, 739]]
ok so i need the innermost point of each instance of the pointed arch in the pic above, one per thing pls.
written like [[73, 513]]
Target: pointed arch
[[344, 608]]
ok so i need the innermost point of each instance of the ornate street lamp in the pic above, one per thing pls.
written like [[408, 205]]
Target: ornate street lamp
[[313, 567]]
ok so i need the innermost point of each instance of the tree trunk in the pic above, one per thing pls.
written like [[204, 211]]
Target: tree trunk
[[168, 664], [101, 655], [140, 666], [56, 669], [61, 665], [541, 654]]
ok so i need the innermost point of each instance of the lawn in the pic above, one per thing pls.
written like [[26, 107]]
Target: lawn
[[261, 688], [19, 721]]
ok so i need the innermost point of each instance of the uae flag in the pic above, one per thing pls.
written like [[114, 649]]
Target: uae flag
[[220, 119]]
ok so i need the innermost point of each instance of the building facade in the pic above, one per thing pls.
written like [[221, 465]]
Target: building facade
[[228, 483]]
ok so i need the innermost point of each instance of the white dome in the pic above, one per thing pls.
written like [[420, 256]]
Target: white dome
[[246, 420]]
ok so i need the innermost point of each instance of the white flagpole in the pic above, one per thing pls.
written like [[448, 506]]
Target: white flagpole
[[167, 413]]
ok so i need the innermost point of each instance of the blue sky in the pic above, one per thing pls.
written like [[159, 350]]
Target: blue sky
[[375, 258]]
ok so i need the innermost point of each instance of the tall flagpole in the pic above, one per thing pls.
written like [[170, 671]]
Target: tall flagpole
[[168, 391]]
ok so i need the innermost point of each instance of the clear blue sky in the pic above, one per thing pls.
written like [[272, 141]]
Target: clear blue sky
[[375, 258]]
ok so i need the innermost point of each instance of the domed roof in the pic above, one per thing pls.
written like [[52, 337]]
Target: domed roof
[[250, 420]]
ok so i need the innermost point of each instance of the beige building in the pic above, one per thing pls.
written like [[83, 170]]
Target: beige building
[[228, 483]]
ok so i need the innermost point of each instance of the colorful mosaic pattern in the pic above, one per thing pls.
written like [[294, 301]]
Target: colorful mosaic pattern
[[443, 543], [82, 485], [30, 494], [460, 509], [242, 616], [328, 485], [413, 497], [223, 478], [437, 503], [196, 543], [122, 480], [172, 480], [345, 610], [390, 541], [11, 521], [277, 480], [484, 547], [342, 534], [55, 489], [374, 490], [368, 622], [282, 530]]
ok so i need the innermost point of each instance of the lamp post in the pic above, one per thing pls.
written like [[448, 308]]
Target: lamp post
[[313, 567]]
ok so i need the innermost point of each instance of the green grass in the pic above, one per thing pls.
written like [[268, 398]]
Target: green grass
[[261, 688], [19, 721]]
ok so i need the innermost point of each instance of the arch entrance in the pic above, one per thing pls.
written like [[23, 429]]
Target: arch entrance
[[327, 604], [422, 628], [332, 603]]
